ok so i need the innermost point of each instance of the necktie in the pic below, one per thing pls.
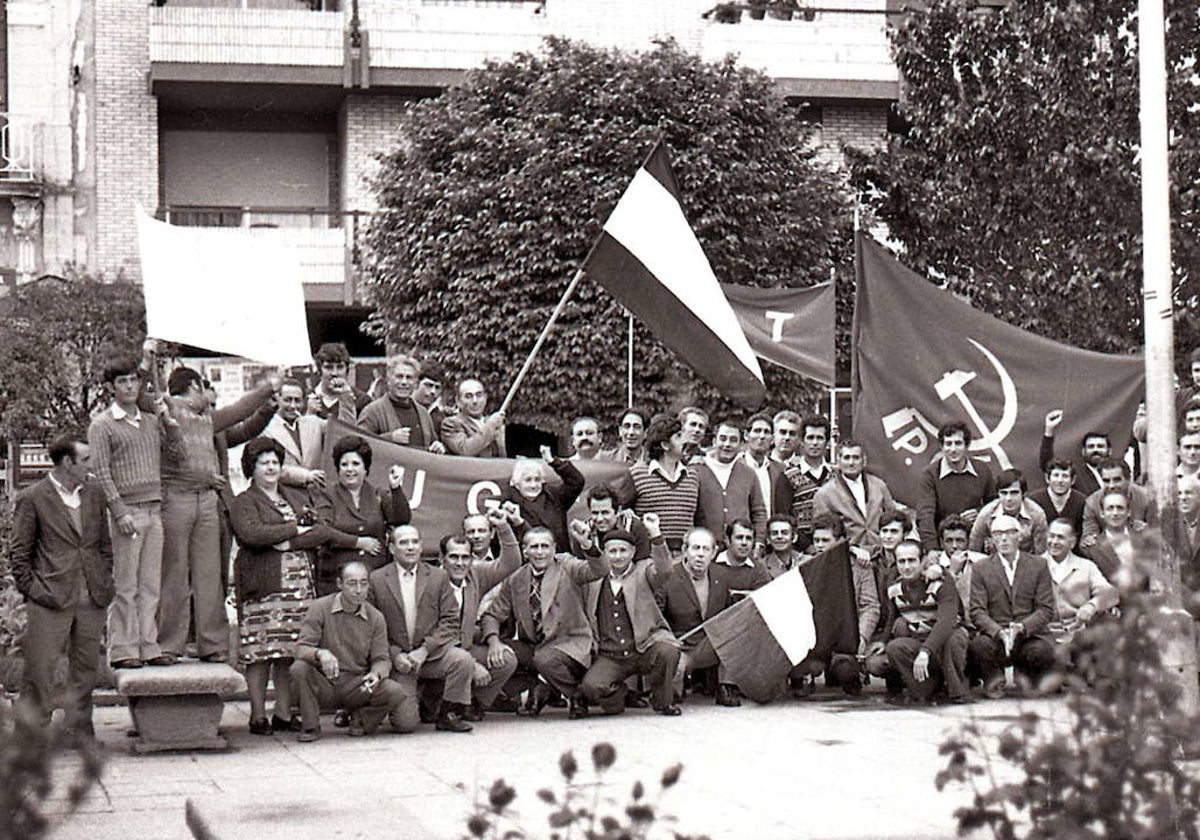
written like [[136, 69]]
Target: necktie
[[535, 607]]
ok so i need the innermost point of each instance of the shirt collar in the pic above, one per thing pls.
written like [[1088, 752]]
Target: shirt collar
[[338, 606], [655, 466], [946, 470], [628, 571], [121, 414], [407, 572], [61, 488], [724, 559], [818, 473]]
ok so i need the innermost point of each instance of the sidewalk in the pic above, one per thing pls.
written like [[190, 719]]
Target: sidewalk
[[827, 767]]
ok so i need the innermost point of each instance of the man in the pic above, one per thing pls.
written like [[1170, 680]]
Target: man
[[1080, 589], [665, 485], [787, 436], [127, 447], [781, 554], [729, 489], [61, 560], [605, 517], [1114, 550], [858, 498], [925, 645], [1189, 454], [953, 483], [342, 662], [632, 636], [695, 591], [955, 557], [423, 624], [1096, 447], [695, 425], [1187, 393], [739, 570], [471, 431], [1059, 499], [428, 392], [545, 598], [1012, 604], [631, 432], [478, 531], [301, 435], [585, 438], [1011, 501], [334, 396], [1187, 541], [192, 597], [1190, 419], [775, 490], [805, 475], [470, 581], [1114, 478], [396, 415]]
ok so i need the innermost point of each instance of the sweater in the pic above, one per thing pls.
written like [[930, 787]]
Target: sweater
[[127, 460], [674, 502], [939, 496]]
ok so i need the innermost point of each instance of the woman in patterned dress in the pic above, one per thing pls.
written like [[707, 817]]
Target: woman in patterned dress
[[275, 527]]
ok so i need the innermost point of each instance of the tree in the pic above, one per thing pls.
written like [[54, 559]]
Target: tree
[[1017, 179], [53, 341], [499, 187]]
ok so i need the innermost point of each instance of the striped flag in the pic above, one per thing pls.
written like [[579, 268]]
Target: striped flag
[[648, 258]]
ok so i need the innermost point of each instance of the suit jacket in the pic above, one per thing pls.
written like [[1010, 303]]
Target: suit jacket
[[47, 553], [1141, 509], [681, 606], [299, 459], [862, 528], [1029, 601], [740, 498], [481, 577], [639, 588], [377, 510], [436, 627], [465, 435], [564, 616]]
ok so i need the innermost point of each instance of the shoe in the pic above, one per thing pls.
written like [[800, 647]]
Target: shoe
[[993, 689], [278, 724], [341, 718], [474, 712], [260, 726], [577, 707], [163, 660], [726, 696], [222, 658], [126, 664], [357, 729], [670, 710], [504, 703], [802, 687], [307, 736], [536, 700], [450, 719]]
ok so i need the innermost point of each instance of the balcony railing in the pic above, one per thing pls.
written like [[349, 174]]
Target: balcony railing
[[18, 141]]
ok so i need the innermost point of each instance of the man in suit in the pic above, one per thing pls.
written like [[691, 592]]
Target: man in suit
[[1080, 589], [856, 497], [62, 561], [632, 637], [422, 616], [545, 598], [470, 581], [301, 435], [1095, 447], [471, 432], [695, 591], [1114, 478], [1187, 540], [729, 489], [1012, 603]]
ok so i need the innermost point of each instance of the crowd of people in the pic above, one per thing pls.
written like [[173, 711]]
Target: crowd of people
[[588, 597]]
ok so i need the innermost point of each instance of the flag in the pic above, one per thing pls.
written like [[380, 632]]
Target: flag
[[792, 328], [220, 290], [835, 609], [760, 638], [923, 357], [648, 258]]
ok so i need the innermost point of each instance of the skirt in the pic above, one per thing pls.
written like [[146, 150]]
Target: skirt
[[270, 626]]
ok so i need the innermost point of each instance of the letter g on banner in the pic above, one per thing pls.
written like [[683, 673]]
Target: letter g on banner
[[479, 491]]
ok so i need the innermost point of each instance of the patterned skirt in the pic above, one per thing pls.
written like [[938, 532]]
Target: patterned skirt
[[270, 627]]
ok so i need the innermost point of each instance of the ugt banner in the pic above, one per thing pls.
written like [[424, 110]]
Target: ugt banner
[[442, 489], [923, 357]]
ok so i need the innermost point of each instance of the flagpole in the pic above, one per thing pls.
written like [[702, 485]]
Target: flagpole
[[541, 339], [629, 360]]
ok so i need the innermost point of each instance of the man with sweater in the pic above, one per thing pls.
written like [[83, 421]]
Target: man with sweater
[[396, 415], [729, 489], [127, 446], [953, 483]]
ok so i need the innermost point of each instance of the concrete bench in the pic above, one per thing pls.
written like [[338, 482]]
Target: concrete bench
[[178, 707]]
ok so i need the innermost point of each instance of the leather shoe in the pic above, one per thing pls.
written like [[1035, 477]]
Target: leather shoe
[[341, 718], [670, 710], [127, 663], [278, 724], [726, 697], [309, 735], [577, 707], [215, 657], [162, 660], [473, 713], [450, 719], [260, 726]]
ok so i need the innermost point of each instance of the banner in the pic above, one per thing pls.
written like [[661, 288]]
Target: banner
[[792, 328], [924, 357], [223, 290], [648, 258], [442, 489]]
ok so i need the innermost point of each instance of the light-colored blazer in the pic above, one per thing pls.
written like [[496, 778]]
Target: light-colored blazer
[[299, 460]]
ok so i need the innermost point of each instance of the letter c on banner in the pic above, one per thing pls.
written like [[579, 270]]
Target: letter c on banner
[[476, 494]]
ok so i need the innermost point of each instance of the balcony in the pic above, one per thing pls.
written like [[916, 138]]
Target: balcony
[[323, 241], [20, 140]]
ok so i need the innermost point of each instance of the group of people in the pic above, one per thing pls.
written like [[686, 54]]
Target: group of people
[[550, 594]]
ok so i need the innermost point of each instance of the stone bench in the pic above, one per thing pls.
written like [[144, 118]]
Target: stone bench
[[178, 707]]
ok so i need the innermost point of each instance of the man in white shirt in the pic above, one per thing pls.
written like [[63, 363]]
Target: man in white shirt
[[1080, 590]]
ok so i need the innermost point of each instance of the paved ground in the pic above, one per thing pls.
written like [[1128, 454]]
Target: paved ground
[[818, 768]]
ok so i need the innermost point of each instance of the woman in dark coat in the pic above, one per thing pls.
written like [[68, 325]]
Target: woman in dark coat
[[276, 527], [355, 507]]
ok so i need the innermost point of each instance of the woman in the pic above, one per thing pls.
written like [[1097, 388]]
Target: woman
[[356, 509], [275, 526], [543, 505]]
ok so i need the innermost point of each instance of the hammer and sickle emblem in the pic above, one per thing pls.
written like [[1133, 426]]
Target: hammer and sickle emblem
[[953, 383]]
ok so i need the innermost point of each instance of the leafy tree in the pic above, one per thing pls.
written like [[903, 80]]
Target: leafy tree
[[54, 337], [1017, 179], [499, 187]]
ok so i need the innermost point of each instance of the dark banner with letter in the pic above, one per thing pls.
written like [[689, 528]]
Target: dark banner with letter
[[792, 328]]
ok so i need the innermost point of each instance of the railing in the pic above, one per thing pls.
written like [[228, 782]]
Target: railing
[[18, 140], [291, 37], [323, 240]]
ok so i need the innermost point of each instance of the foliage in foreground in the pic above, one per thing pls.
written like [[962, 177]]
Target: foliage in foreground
[[1118, 770], [581, 809], [499, 187]]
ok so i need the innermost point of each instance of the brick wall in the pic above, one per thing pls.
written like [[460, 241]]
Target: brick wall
[[863, 125], [368, 126], [126, 131]]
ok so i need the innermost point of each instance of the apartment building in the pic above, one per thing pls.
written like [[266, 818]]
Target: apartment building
[[262, 117]]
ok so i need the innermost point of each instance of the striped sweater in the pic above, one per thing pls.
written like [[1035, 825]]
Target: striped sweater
[[674, 502], [127, 459]]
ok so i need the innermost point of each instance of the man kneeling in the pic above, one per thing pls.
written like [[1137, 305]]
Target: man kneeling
[[342, 661]]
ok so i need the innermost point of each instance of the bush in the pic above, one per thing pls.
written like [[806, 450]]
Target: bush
[[12, 610]]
